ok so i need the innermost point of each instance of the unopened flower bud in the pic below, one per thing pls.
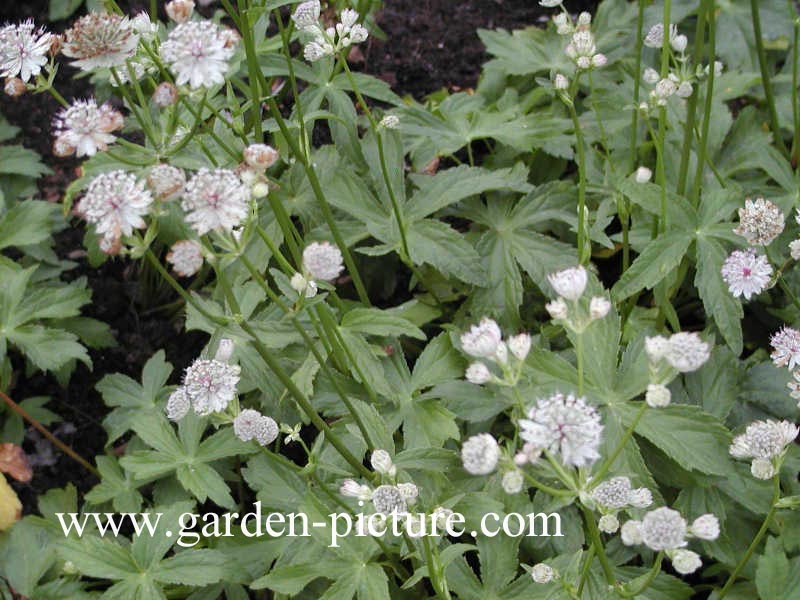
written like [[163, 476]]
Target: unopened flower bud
[[557, 309], [679, 43], [260, 156], [390, 122], [478, 373], [260, 190], [179, 11], [301, 285], [599, 60], [165, 94], [643, 175], [608, 524], [584, 19], [657, 395], [15, 87], [599, 307], [382, 463], [560, 82], [542, 573], [520, 345], [224, 350]]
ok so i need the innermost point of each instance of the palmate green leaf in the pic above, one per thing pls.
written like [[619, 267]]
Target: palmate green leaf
[[265, 473], [524, 51], [694, 439], [26, 553], [772, 571], [115, 486], [657, 260], [426, 423], [439, 245], [99, 557], [27, 223], [439, 362], [48, 349], [17, 160], [373, 321]]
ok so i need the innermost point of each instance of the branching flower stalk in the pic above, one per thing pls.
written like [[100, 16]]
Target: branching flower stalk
[[661, 176]]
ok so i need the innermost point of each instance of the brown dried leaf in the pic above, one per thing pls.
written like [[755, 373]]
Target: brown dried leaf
[[14, 462]]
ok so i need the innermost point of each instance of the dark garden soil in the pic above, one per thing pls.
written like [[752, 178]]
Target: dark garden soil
[[430, 44]]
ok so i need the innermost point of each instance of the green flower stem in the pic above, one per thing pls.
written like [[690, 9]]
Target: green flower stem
[[597, 543], [291, 387], [253, 70], [558, 493], [637, 84], [766, 79], [584, 245], [651, 575], [780, 279], [290, 233], [59, 98], [311, 346], [398, 215], [326, 210], [795, 101], [701, 152], [568, 480], [606, 465], [286, 38], [276, 252], [435, 572], [580, 360], [691, 105], [187, 297], [661, 176], [145, 124], [235, 156], [776, 495], [587, 567]]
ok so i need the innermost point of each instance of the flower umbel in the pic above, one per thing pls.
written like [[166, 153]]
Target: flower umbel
[[197, 53], [83, 128], [100, 40], [746, 273], [215, 200], [23, 50]]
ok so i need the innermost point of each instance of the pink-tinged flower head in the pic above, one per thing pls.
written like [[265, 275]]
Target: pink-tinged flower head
[[215, 200], [23, 50], [115, 203], [197, 53], [83, 128], [786, 347], [186, 257], [100, 40], [746, 273]]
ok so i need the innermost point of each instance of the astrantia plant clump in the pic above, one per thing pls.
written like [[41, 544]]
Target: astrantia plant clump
[[536, 335]]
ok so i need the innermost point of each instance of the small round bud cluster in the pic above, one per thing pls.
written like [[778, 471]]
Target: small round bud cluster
[[542, 573], [582, 47], [764, 442], [657, 395], [382, 463], [664, 529], [260, 156], [252, 425], [166, 182], [529, 454], [683, 351], [569, 283], [685, 562], [352, 489], [186, 257], [560, 82], [566, 426], [643, 175], [14, 87], [390, 122], [389, 499], [794, 386], [480, 454], [322, 261], [179, 11], [760, 222], [301, 285], [785, 347], [705, 527], [617, 493], [655, 35], [746, 273], [513, 481], [165, 94], [608, 523], [178, 405], [83, 128]]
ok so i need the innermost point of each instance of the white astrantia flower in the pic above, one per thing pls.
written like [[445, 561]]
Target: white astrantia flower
[[304, 286], [23, 50], [641, 498], [382, 463], [306, 15], [746, 273], [685, 561], [760, 222], [766, 440], [794, 386], [786, 347], [479, 454], [388, 499], [252, 425], [483, 339], [353, 489], [684, 90], [663, 529], [761, 468], [520, 345], [599, 307], [323, 261], [558, 309], [794, 249], [501, 356], [186, 257], [560, 82], [409, 491], [540, 572], [85, 128], [215, 200], [225, 349], [529, 454], [614, 493], [178, 405], [100, 40], [631, 533], [390, 122], [512, 481], [478, 373], [679, 42], [655, 36], [210, 385], [115, 202], [664, 89], [656, 347], [179, 11], [569, 283], [566, 426], [652, 77], [197, 53], [687, 352], [166, 181], [657, 395], [608, 524], [705, 527], [550, 3]]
